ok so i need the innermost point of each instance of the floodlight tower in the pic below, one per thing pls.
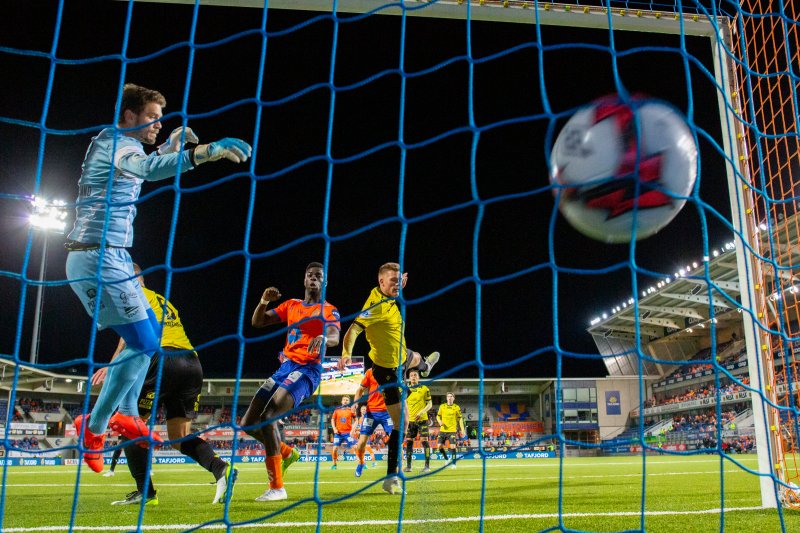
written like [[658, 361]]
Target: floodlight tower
[[48, 216]]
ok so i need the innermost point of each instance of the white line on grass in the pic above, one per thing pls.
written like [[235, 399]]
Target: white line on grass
[[472, 463], [353, 523], [429, 479]]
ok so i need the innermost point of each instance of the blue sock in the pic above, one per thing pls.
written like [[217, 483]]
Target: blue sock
[[125, 378]]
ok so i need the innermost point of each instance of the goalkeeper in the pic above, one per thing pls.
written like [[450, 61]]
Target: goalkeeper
[[99, 268]]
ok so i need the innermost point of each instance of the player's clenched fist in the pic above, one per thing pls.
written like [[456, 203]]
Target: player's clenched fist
[[271, 294]]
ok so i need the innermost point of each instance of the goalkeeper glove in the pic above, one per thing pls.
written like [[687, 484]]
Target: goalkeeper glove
[[173, 143], [235, 150]]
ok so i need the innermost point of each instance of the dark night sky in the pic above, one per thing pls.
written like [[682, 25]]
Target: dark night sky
[[289, 194]]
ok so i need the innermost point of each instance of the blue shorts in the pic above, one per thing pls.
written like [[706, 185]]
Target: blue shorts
[[121, 298], [300, 380], [343, 438], [373, 419]]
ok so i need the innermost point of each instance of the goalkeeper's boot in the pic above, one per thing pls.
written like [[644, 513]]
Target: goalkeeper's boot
[[93, 443], [431, 360], [135, 498], [225, 484], [271, 495], [293, 457], [133, 427]]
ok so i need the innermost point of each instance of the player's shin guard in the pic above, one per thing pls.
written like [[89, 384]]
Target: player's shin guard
[[394, 452], [274, 471], [137, 464], [409, 452], [203, 454], [427, 448]]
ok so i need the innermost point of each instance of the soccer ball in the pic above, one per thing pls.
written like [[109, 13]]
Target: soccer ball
[[600, 156]]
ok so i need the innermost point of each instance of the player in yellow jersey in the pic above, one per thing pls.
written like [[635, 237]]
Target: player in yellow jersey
[[179, 393], [451, 427], [381, 319], [419, 403]]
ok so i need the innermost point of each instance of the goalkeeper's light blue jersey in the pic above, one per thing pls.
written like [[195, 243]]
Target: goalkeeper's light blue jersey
[[131, 166]]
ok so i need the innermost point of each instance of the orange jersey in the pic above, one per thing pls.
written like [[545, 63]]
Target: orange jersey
[[304, 324], [375, 402], [343, 420]]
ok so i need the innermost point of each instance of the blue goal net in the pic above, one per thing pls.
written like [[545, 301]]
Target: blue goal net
[[640, 385]]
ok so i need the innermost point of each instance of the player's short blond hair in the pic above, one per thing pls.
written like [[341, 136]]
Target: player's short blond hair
[[393, 267], [453, 394]]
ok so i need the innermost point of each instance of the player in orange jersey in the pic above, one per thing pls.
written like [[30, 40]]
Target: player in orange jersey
[[313, 325], [342, 424], [377, 415], [356, 433]]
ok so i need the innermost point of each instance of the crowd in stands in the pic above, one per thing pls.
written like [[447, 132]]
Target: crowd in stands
[[31, 405], [301, 418], [703, 422], [28, 443], [743, 444], [699, 392], [695, 365]]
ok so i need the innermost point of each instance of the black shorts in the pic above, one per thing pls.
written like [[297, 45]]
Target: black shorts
[[418, 428], [387, 376], [181, 384], [447, 435]]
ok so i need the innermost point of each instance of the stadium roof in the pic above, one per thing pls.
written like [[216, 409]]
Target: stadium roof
[[677, 308]]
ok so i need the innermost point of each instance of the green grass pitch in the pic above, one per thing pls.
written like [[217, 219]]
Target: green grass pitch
[[599, 494]]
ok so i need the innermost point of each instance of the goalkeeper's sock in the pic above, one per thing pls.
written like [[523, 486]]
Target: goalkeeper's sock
[[203, 454], [138, 458], [394, 452]]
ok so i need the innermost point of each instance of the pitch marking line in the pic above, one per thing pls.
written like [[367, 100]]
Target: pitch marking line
[[350, 523], [473, 463], [429, 479]]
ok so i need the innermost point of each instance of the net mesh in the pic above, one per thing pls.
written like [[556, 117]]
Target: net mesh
[[765, 48]]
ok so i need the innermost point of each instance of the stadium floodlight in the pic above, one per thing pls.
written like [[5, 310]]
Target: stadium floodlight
[[48, 216], [716, 253], [694, 264], [762, 227]]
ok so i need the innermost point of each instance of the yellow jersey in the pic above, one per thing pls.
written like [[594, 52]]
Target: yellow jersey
[[381, 319], [173, 334], [450, 415], [417, 399]]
